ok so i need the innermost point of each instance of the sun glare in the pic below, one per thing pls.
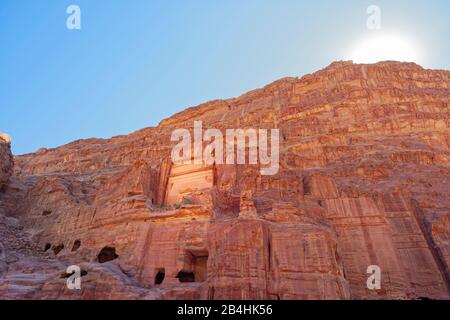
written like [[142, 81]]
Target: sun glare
[[385, 47]]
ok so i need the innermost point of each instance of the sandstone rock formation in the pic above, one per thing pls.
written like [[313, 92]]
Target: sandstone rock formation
[[6, 161], [363, 180]]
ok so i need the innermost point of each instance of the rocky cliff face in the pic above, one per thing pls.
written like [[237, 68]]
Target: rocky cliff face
[[6, 161], [363, 180]]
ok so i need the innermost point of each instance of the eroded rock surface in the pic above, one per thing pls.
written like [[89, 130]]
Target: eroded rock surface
[[363, 180], [6, 160]]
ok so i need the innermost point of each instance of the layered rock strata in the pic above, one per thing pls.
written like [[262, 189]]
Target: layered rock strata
[[363, 180]]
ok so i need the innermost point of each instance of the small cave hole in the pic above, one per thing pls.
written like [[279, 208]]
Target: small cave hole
[[159, 278], [58, 249], [66, 275], [47, 247], [107, 254], [46, 212], [184, 276], [76, 245]]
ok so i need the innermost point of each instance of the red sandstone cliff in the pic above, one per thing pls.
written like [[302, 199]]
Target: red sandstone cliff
[[364, 180], [6, 161]]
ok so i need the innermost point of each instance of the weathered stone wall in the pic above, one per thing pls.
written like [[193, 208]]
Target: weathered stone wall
[[363, 180]]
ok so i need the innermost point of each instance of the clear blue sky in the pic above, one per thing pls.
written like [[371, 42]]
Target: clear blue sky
[[135, 62]]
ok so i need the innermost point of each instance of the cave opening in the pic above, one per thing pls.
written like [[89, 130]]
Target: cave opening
[[66, 275], [107, 254], [46, 212], [47, 247], [76, 245], [58, 249], [195, 267], [186, 276], [159, 278]]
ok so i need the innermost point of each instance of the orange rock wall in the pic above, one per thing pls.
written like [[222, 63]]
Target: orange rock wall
[[363, 180]]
